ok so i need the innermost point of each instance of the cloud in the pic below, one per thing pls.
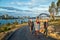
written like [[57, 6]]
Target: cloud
[[34, 7], [33, 3], [12, 2], [35, 10], [21, 3], [7, 9], [39, 2]]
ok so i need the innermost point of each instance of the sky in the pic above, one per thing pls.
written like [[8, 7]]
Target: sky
[[24, 7]]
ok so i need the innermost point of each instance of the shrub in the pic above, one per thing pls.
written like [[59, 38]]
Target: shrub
[[13, 26], [1, 30], [8, 28], [15, 23], [5, 29], [8, 24]]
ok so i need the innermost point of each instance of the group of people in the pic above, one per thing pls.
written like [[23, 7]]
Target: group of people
[[36, 26]]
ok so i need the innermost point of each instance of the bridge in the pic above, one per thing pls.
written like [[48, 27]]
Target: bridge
[[44, 14], [47, 15]]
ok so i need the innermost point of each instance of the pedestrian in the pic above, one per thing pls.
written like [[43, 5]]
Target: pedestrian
[[37, 26], [29, 22], [45, 27], [31, 25]]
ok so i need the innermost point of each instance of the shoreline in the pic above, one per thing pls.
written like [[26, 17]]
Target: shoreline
[[3, 35]]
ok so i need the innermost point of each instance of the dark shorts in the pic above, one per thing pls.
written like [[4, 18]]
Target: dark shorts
[[31, 27]]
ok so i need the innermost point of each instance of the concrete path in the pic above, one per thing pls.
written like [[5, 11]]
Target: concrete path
[[25, 34]]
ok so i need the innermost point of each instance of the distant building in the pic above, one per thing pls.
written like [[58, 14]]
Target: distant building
[[0, 17], [6, 16]]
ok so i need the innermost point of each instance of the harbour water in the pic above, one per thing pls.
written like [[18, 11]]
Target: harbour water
[[11, 21]]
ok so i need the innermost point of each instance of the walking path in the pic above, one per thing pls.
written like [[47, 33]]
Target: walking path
[[25, 34]]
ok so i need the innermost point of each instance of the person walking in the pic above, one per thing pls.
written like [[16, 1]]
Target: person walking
[[37, 26], [45, 27], [31, 25]]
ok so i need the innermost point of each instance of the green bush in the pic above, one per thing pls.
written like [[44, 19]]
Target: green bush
[[9, 28], [15, 23], [5, 29], [1, 30], [8, 24]]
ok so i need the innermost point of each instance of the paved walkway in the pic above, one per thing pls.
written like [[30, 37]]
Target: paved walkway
[[24, 34]]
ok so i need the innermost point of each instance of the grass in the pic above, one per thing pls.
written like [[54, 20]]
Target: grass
[[55, 22], [8, 26]]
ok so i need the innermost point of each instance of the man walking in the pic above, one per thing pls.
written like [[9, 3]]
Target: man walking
[[45, 27], [31, 25]]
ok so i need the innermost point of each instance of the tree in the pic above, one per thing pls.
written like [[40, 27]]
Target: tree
[[58, 3], [51, 10], [53, 5]]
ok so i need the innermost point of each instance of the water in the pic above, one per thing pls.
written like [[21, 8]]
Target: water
[[11, 21]]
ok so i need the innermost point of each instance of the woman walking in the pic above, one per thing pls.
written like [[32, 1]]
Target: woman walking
[[37, 26]]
